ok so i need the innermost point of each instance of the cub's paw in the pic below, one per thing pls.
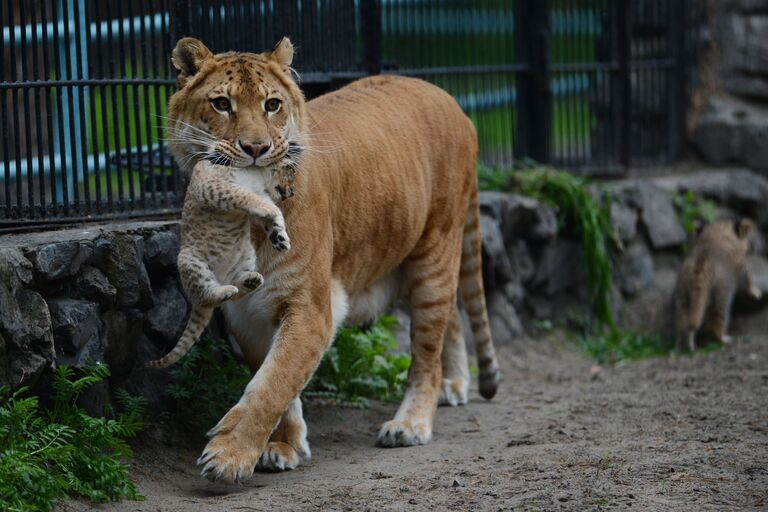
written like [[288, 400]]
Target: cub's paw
[[454, 392], [278, 456], [222, 294], [403, 433], [252, 280], [233, 450], [285, 192], [279, 238]]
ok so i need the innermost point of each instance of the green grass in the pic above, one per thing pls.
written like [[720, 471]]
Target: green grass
[[612, 346], [46, 454]]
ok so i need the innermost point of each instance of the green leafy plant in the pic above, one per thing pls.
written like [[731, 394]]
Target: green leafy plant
[[206, 383], [360, 365], [45, 455], [591, 220], [611, 346], [695, 211]]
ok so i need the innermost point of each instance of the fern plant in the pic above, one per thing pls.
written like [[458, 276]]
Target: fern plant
[[360, 364], [45, 455]]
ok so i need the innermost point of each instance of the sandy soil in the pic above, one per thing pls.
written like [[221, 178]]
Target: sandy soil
[[688, 433]]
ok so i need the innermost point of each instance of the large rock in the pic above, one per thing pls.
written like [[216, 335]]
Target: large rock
[[624, 220], [505, 324], [60, 259], [652, 309], [497, 269], [125, 269], [635, 269], [743, 46], [733, 131], [657, 214], [560, 267], [161, 250], [76, 324], [120, 334], [93, 285], [25, 324], [164, 323], [521, 261], [520, 216]]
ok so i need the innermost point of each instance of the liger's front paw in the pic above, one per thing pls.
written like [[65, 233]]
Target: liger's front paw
[[252, 280], [233, 451], [403, 433]]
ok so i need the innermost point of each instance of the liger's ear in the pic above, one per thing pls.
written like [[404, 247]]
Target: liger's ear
[[743, 228], [283, 52], [188, 57]]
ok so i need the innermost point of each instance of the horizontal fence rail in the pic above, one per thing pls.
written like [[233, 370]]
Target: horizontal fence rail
[[588, 85]]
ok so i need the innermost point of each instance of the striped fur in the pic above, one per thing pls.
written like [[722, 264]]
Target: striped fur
[[385, 205]]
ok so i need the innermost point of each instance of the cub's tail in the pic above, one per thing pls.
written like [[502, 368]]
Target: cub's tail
[[198, 319], [473, 296]]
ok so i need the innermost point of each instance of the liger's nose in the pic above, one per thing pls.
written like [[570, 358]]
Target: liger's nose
[[255, 149]]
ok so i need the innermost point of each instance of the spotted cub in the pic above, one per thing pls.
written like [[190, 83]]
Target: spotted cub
[[217, 261], [708, 281]]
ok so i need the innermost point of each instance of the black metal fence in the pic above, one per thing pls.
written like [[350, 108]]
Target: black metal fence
[[587, 85]]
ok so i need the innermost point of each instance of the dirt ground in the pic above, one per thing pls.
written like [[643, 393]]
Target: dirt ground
[[687, 433]]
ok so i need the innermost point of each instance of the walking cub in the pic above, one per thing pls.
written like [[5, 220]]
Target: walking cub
[[217, 261], [708, 280]]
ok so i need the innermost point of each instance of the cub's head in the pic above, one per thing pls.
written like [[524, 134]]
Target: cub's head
[[734, 235], [238, 109]]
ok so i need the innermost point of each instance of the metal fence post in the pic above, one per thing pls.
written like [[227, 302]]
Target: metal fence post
[[370, 32], [678, 98], [181, 20], [624, 89], [534, 101]]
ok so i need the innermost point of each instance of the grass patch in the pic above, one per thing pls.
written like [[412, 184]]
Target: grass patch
[[48, 454], [612, 346]]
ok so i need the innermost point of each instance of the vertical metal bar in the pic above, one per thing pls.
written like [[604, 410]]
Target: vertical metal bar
[[70, 103], [38, 92], [27, 117], [124, 109], [4, 123], [95, 93], [104, 43], [113, 100], [81, 25], [145, 41], [539, 121], [370, 28], [46, 92], [63, 193], [136, 89], [678, 99], [15, 116], [624, 85], [181, 20]]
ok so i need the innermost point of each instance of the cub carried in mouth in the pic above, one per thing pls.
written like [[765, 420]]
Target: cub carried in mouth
[[217, 261], [708, 281]]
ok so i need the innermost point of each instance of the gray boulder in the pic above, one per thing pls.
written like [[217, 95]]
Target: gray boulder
[[164, 323], [76, 326], [657, 214], [635, 269], [60, 259], [624, 220], [505, 324], [497, 269], [93, 285], [560, 267], [125, 269], [161, 250], [520, 216]]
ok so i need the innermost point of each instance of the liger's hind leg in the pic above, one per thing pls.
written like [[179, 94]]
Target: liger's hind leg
[[455, 385], [432, 279], [288, 443]]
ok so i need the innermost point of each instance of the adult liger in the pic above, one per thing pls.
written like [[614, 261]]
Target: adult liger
[[385, 206]]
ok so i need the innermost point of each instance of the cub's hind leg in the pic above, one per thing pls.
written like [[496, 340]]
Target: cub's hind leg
[[719, 314], [455, 385], [200, 283]]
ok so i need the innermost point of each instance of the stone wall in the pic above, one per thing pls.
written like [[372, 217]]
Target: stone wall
[[733, 124], [111, 293]]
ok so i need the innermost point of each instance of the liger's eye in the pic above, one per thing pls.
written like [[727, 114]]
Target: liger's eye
[[272, 104], [221, 104]]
